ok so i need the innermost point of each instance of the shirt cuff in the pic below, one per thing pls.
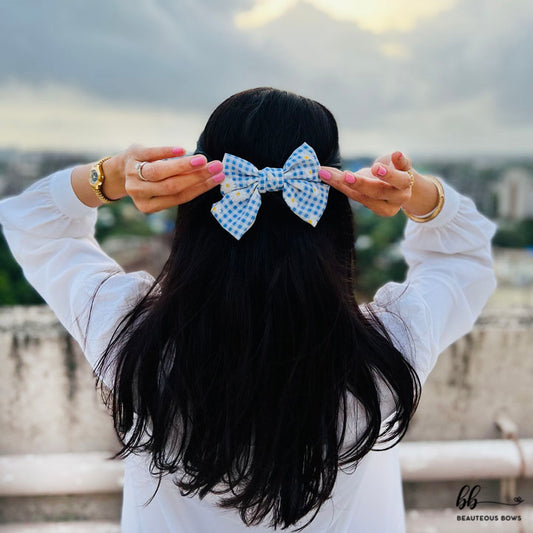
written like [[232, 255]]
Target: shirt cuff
[[449, 209], [64, 196]]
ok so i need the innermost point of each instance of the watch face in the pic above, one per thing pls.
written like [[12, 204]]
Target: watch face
[[93, 177]]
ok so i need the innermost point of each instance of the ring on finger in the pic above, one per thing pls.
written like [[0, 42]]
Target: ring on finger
[[411, 178], [139, 167]]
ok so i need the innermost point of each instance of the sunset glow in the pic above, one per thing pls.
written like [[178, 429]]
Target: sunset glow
[[377, 16]]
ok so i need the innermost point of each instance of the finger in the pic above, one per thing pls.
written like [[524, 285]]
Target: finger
[[335, 178], [396, 178], [173, 184], [346, 182], [364, 184], [354, 185], [398, 159], [372, 187], [378, 190], [143, 153], [401, 161], [161, 170], [380, 207], [158, 203]]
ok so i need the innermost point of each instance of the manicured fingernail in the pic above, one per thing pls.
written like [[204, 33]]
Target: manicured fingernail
[[400, 155], [324, 174], [381, 171], [178, 150], [219, 177], [214, 167], [198, 161], [349, 178]]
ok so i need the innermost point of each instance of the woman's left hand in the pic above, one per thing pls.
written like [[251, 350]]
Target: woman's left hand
[[384, 187]]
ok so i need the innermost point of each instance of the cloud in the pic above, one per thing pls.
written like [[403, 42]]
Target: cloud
[[55, 117], [377, 16], [477, 48], [468, 128], [182, 55], [460, 68], [469, 63]]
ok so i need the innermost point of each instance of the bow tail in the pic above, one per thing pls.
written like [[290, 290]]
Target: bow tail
[[237, 211], [297, 195]]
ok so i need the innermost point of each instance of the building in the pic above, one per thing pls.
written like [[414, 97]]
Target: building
[[515, 194]]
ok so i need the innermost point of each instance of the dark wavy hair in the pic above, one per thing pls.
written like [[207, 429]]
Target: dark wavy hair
[[234, 371]]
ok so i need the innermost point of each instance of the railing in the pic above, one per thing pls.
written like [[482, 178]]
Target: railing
[[94, 473], [91, 473], [470, 459]]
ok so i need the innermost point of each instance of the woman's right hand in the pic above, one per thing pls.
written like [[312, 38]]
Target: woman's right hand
[[169, 178], [385, 188]]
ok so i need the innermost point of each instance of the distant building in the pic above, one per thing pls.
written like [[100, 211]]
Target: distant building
[[513, 267], [19, 169], [515, 194]]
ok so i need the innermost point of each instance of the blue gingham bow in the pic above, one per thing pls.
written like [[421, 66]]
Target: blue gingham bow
[[303, 191]]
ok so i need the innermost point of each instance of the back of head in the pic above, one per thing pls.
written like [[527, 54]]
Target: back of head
[[264, 126], [241, 357]]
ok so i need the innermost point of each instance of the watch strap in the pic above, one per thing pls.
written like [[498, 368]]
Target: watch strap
[[96, 181]]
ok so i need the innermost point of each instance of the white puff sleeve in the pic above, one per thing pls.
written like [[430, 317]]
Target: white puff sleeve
[[449, 280], [51, 235]]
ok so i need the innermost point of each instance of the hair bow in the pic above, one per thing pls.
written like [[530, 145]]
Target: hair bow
[[303, 191]]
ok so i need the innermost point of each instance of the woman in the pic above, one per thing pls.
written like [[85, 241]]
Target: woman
[[246, 375]]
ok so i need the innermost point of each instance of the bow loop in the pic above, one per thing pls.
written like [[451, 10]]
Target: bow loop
[[303, 191]]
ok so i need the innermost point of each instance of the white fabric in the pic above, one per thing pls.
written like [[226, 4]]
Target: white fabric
[[51, 234]]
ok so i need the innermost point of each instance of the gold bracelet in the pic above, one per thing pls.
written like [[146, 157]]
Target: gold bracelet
[[96, 181], [432, 214], [411, 178]]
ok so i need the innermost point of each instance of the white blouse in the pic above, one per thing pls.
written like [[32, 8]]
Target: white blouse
[[450, 277]]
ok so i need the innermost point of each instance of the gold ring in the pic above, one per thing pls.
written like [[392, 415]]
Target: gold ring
[[411, 178], [139, 167]]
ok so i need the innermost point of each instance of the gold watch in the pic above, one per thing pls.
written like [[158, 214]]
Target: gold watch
[[96, 181]]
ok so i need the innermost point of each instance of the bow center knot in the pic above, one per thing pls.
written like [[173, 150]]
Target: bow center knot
[[270, 179]]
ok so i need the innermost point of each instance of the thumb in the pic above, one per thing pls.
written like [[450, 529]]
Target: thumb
[[401, 161], [143, 153]]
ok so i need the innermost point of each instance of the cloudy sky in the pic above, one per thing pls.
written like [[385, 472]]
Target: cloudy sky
[[424, 76]]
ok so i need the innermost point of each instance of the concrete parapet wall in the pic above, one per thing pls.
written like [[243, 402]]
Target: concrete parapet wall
[[48, 403], [486, 373]]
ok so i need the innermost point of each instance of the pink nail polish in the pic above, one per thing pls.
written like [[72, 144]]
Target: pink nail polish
[[349, 178], [178, 150], [381, 171], [215, 167], [198, 161], [219, 177], [324, 174]]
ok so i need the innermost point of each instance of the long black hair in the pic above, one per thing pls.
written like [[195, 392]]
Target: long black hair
[[234, 371]]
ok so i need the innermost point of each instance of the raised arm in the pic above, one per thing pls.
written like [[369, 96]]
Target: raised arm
[[450, 275], [50, 231]]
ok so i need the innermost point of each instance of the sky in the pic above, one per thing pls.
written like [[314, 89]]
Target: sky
[[429, 77]]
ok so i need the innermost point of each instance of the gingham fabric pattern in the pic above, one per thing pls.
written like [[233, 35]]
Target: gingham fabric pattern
[[303, 191]]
